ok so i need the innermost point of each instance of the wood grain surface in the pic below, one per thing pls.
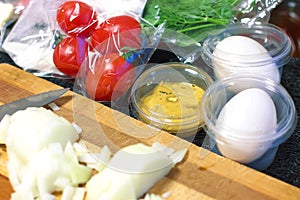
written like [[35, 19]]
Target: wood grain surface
[[201, 175]]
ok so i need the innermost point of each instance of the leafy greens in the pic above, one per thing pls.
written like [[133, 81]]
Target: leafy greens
[[194, 18]]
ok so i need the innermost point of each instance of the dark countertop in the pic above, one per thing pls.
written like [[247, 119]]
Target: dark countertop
[[286, 166]]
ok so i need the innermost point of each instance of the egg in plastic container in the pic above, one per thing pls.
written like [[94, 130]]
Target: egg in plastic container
[[261, 49], [247, 118]]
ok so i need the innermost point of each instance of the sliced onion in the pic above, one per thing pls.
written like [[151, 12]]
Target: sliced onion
[[159, 147], [73, 193], [77, 127], [4, 123], [166, 194], [132, 171], [54, 106], [151, 196]]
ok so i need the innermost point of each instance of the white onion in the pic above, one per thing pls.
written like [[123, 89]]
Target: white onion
[[77, 127], [97, 161], [54, 106], [131, 172], [151, 196], [32, 129], [166, 194], [41, 158], [4, 123], [73, 193]]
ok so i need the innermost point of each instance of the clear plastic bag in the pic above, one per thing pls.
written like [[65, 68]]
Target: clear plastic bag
[[10, 12], [31, 42], [198, 18], [112, 66]]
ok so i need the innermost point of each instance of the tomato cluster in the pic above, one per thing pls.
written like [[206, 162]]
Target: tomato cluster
[[84, 33]]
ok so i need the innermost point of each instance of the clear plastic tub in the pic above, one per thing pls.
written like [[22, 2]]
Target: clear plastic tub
[[261, 49], [256, 150], [186, 120]]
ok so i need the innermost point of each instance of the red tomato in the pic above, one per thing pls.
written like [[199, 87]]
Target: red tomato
[[76, 18], [23, 3], [69, 55], [116, 33], [111, 78]]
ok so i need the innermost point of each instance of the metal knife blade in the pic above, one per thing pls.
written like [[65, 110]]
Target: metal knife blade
[[37, 100]]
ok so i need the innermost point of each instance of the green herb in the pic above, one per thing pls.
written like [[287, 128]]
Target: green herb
[[195, 18]]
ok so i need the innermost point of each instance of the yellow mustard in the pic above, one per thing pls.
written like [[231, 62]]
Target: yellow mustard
[[174, 103]]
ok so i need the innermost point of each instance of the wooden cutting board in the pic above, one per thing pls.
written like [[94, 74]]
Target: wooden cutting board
[[201, 175]]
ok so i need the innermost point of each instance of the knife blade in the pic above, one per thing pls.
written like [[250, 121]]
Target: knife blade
[[37, 100]]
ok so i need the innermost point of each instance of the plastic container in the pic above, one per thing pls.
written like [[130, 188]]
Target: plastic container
[[183, 124], [263, 146], [273, 51]]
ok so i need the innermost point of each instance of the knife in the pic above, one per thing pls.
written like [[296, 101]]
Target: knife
[[37, 100]]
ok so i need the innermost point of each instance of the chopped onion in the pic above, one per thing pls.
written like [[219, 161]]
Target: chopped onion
[[80, 148], [4, 123], [41, 157], [32, 129], [97, 161], [77, 127], [158, 146], [73, 193], [166, 194], [89, 157], [44, 157], [105, 156], [151, 196], [131, 172], [48, 197], [178, 155], [53, 169], [54, 106]]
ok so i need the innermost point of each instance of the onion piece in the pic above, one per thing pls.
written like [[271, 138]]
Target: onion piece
[[80, 148], [54, 106], [73, 193], [151, 196], [178, 155], [77, 127], [166, 194], [4, 123], [132, 171], [53, 169], [41, 157], [32, 129], [162, 148], [97, 161], [48, 196]]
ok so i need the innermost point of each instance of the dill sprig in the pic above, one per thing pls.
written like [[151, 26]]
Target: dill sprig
[[195, 18]]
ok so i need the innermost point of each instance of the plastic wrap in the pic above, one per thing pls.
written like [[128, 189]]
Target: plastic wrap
[[10, 12], [33, 38], [30, 42], [197, 18], [187, 45], [114, 64]]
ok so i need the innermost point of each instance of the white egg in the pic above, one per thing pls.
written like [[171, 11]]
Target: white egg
[[247, 116], [241, 54]]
